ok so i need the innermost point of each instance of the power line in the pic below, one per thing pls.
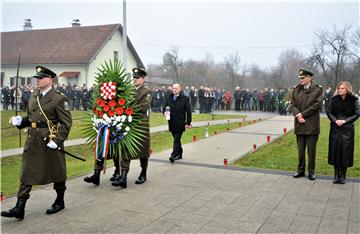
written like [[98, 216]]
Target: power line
[[224, 47]]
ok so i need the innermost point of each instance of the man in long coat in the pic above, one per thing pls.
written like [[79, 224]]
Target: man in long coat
[[142, 98], [48, 122], [180, 118], [306, 104]]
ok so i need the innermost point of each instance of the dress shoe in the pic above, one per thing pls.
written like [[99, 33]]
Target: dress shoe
[[172, 160], [178, 157], [56, 207], [311, 177], [141, 179], [299, 174]]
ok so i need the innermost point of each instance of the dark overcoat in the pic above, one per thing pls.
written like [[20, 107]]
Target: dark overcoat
[[180, 112], [308, 103], [40, 164], [341, 139]]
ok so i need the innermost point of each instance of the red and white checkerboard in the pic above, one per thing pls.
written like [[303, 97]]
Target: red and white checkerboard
[[108, 90]]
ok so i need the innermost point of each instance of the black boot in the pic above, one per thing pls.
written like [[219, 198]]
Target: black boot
[[18, 211], [122, 181], [95, 178], [59, 203], [336, 175], [343, 175], [116, 175], [142, 176]]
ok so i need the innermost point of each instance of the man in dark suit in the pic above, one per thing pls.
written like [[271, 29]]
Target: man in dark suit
[[306, 104], [180, 118]]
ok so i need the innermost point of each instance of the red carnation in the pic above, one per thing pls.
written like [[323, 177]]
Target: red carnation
[[106, 108], [112, 103], [129, 111], [101, 114], [121, 101], [98, 101], [102, 103], [119, 111], [111, 113]]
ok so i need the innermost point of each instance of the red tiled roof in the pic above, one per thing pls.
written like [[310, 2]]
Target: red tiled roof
[[73, 45], [70, 74]]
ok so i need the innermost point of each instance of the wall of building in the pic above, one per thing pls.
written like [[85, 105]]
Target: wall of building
[[29, 70], [107, 52]]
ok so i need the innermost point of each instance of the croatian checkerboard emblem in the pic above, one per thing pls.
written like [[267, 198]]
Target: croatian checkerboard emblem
[[108, 90]]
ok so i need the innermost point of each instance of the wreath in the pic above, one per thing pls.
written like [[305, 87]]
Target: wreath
[[114, 126]]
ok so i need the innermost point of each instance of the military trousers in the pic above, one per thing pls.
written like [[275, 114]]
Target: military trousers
[[125, 163], [25, 189], [99, 164], [309, 142]]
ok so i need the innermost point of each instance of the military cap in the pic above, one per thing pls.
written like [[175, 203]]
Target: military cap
[[138, 72], [43, 72], [303, 72]]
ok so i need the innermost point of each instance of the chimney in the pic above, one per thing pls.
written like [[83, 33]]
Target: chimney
[[27, 25], [76, 23]]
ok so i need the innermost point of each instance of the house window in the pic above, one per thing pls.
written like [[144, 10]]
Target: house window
[[116, 55], [13, 81], [28, 80]]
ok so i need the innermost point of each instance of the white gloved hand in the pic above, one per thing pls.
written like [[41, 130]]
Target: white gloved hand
[[52, 144], [16, 120]]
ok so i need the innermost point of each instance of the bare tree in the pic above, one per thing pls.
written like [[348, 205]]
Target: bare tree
[[331, 53], [172, 62], [231, 69], [290, 61]]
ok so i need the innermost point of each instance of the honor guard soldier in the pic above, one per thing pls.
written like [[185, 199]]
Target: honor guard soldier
[[48, 122], [142, 98], [306, 102]]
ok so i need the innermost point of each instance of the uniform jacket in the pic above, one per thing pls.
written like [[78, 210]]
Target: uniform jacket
[[341, 139], [180, 113], [143, 100], [308, 103], [40, 164]]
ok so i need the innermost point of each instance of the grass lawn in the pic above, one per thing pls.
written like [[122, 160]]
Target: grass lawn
[[10, 135], [10, 166], [282, 154]]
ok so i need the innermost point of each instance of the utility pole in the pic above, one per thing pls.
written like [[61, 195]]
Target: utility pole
[[124, 37]]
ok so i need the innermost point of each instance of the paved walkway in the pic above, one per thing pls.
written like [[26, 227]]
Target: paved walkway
[[199, 195]]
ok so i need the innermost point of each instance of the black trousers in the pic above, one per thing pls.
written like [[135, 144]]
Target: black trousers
[[25, 189], [309, 142], [177, 148]]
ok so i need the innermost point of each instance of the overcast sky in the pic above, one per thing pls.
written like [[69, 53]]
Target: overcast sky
[[259, 30]]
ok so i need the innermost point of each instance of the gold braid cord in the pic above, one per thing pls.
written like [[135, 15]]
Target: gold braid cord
[[53, 129]]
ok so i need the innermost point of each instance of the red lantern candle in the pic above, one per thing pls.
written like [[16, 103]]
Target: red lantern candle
[[225, 162], [267, 139], [194, 138], [254, 147], [285, 130]]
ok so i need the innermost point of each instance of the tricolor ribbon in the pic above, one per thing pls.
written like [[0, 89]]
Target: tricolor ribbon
[[101, 151]]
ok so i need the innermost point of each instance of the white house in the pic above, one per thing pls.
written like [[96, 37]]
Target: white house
[[73, 53]]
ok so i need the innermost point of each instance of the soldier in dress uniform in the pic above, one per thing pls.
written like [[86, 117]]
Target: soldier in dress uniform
[[48, 122], [143, 100], [306, 102]]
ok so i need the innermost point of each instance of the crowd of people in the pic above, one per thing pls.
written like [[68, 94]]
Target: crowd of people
[[208, 99], [204, 99]]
